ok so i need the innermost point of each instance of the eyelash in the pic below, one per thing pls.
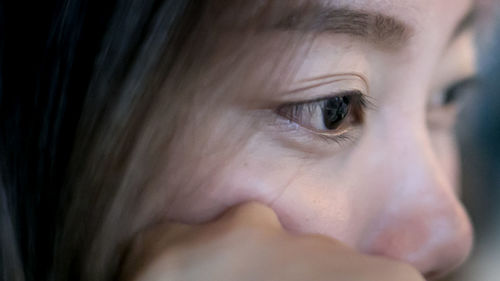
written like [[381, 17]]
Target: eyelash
[[357, 103], [458, 90]]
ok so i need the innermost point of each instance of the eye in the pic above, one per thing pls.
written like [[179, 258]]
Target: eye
[[446, 107], [457, 92], [330, 116]]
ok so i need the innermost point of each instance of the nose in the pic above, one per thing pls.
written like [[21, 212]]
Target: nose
[[424, 224]]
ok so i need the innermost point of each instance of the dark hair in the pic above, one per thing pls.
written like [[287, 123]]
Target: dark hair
[[65, 67], [90, 97]]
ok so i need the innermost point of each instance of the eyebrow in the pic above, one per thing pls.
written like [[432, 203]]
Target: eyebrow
[[375, 27]]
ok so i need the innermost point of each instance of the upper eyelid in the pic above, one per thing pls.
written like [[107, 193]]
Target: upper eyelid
[[326, 80], [324, 86], [472, 80], [338, 76], [291, 110], [328, 96], [366, 102]]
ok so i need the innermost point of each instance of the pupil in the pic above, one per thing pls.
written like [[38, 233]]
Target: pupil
[[335, 110]]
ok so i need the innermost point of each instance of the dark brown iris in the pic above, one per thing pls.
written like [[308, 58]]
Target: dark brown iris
[[334, 111]]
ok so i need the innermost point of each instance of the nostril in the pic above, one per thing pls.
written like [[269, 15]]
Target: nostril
[[433, 275]]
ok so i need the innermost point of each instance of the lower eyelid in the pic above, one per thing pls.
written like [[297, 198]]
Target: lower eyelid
[[294, 132], [442, 118]]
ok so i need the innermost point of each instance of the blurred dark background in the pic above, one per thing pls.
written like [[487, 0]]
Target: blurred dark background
[[479, 131]]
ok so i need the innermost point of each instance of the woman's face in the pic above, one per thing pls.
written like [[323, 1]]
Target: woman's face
[[353, 139]]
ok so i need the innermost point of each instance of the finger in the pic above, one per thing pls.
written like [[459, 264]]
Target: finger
[[252, 214]]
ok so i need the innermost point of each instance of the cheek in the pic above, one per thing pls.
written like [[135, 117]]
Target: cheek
[[249, 173], [308, 195], [315, 204]]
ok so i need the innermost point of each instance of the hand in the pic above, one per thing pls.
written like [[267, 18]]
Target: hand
[[246, 244]]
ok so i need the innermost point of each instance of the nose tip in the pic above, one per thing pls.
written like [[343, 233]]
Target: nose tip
[[450, 253], [434, 240]]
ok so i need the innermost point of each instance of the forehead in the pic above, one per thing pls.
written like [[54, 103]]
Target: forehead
[[413, 12], [406, 7], [389, 24]]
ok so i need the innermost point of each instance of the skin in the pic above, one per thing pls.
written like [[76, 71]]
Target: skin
[[182, 252], [391, 190]]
